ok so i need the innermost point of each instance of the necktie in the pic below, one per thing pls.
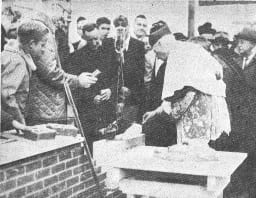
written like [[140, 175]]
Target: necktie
[[244, 62]]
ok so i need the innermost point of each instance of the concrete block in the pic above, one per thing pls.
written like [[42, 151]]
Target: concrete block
[[107, 150], [62, 129], [40, 132]]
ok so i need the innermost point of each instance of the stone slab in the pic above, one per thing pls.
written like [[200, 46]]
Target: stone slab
[[142, 158], [109, 150], [165, 190]]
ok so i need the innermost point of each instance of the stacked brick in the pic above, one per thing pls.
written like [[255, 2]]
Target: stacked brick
[[57, 174], [115, 194]]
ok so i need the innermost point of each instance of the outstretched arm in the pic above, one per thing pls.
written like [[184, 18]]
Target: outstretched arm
[[174, 106]]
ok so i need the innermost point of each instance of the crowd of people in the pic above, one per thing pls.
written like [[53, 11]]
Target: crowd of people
[[179, 88]]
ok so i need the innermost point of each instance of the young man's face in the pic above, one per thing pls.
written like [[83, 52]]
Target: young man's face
[[244, 47], [92, 39], [80, 25], [208, 36], [121, 30], [37, 49], [140, 27], [104, 30]]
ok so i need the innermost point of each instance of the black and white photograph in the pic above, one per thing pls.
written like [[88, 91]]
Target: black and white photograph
[[128, 99]]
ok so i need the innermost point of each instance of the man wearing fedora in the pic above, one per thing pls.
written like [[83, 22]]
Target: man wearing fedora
[[239, 76], [206, 31]]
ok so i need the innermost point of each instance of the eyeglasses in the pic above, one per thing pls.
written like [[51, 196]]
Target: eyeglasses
[[121, 24]]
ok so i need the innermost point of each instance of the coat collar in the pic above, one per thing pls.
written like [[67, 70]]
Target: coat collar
[[252, 56], [14, 47]]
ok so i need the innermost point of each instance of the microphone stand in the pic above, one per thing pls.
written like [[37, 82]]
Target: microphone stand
[[120, 84]]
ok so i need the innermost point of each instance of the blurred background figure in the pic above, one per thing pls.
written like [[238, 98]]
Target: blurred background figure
[[220, 41], [80, 22], [206, 31], [202, 41], [103, 24], [12, 31], [180, 36], [61, 37], [140, 27], [10, 22]]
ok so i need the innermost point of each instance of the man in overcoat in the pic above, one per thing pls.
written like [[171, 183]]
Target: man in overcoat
[[239, 75], [94, 104]]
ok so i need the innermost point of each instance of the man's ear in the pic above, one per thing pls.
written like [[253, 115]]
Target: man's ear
[[84, 36], [159, 43], [31, 44], [127, 28]]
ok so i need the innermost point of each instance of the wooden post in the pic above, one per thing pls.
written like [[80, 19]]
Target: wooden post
[[191, 17]]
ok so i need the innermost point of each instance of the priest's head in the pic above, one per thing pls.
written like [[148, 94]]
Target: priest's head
[[159, 38]]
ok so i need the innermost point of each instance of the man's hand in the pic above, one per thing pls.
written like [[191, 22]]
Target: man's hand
[[148, 116], [105, 94], [151, 114], [20, 126], [86, 79], [97, 99]]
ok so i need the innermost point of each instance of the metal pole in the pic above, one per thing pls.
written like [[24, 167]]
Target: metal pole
[[86, 147], [79, 125], [191, 17]]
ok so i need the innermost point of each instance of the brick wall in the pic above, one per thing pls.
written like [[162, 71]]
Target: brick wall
[[57, 174]]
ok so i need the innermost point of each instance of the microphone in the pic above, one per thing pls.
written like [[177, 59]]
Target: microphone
[[119, 40]]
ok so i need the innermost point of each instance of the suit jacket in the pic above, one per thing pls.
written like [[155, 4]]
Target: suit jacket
[[133, 70], [109, 64], [157, 87], [85, 60]]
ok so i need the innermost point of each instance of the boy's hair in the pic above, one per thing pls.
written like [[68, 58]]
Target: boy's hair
[[120, 21], [31, 30], [103, 20], [141, 16], [89, 27], [80, 19]]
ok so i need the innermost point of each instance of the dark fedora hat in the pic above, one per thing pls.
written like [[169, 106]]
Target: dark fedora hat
[[157, 31], [206, 28], [248, 34]]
